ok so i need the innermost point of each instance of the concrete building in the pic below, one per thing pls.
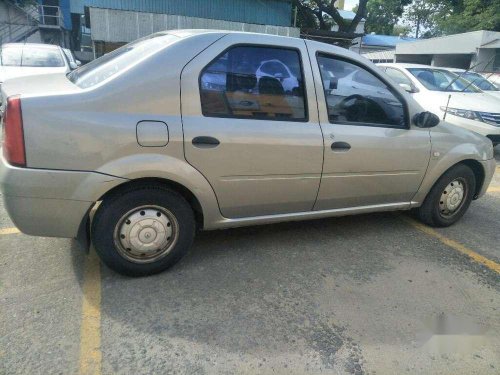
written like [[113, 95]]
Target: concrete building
[[107, 24], [94, 27], [479, 50]]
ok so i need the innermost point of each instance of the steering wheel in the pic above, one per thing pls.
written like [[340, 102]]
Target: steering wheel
[[355, 111]]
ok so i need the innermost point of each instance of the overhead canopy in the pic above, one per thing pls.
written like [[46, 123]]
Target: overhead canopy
[[493, 44]]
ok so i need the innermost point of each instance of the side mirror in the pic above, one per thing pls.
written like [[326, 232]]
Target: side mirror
[[406, 87], [426, 120], [73, 65], [78, 63]]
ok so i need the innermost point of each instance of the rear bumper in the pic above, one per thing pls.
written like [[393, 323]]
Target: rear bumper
[[51, 203]]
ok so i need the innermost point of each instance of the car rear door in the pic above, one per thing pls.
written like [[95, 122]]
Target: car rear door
[[255, 137], [373, 155]]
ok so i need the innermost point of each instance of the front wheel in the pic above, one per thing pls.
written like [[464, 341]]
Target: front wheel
[[449, 198], [143, 231]]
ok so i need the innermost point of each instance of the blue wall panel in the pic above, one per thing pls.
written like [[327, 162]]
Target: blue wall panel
[[268, 12]]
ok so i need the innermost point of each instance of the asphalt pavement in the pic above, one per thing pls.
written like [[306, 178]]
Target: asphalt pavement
[[371, 294]]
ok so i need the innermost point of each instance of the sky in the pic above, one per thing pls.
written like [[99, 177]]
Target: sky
[[349, 4]]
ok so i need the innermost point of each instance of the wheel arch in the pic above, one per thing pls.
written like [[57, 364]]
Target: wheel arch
[[433, 177], [186, 193], [83, 236], [479, 173]]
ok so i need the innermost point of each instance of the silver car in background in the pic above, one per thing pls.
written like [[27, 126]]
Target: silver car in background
[[205, 141]]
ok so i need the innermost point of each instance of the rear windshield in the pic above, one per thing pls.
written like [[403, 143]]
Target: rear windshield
[[118, 60], [29, 56], [442, 80]]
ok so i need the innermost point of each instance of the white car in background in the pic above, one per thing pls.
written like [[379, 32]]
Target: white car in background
[[477, 80], [276, 69], [73, 62], [26, 59], [29, 59], [440, 91]]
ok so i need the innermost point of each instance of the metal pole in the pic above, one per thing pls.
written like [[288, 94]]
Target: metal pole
[[295, 18]]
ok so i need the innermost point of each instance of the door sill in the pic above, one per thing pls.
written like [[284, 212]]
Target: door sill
[[308, 215]]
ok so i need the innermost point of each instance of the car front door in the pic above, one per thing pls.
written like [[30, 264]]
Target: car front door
[[374, 156], [256, 139]]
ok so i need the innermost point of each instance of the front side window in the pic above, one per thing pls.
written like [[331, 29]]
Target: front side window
[[29, 56], [254, 82], [441, 80], [355, 96]]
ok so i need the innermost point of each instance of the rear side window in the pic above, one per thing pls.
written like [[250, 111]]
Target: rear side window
[[398, 76], [254, 82], [355, 96], [118, 60]]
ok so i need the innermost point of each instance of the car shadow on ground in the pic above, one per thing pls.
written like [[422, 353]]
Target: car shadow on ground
[[262, 290]]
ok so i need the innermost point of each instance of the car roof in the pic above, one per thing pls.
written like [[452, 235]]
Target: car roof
[[408, 65], [192, 32], [27, 45]]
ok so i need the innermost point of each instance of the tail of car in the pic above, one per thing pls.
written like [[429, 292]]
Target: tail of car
[[13, 133]]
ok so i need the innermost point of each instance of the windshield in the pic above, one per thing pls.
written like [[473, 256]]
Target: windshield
[[442, 80], [29, 56], [114, 62], [479, 81]]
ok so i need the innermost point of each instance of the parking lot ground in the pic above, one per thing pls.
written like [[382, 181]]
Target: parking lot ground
[[371, 294]]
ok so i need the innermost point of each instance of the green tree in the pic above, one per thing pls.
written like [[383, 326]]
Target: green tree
[[324, 14], [456, 16], [403, 30], [430, 18], [383, 15], [421, 15]]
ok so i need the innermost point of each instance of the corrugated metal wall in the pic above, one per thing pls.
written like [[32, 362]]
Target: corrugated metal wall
[[264, 12], [118, 26]]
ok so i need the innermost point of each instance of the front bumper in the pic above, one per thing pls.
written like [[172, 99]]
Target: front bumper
[[51, 203]]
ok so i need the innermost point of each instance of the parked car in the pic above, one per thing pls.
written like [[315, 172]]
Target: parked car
[[277, 69], [477, 80], [180, 156], [27, 59], [440, 91], [73, 62]]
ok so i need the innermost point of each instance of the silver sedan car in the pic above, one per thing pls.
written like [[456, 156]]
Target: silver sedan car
[[205, 142]]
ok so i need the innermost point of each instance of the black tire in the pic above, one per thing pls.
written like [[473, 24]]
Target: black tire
[[432, 213], [110, 217]]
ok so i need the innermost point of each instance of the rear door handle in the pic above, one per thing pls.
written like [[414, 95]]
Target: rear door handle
[[205, 142], [340, 146]]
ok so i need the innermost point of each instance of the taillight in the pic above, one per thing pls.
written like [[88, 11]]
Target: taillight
[[13, 137]]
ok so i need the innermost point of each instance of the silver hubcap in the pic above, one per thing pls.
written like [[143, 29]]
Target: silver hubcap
[[146, 234], [452, 198]]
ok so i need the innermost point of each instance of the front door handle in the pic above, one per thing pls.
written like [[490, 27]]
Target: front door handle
[[340, 146], [205, 142]]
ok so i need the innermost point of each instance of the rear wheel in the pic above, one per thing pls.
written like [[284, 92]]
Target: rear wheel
[[449, 198], [143, 231]]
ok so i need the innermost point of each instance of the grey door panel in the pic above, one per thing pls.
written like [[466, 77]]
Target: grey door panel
[[382, 165], [259, 166], [365, 163]]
